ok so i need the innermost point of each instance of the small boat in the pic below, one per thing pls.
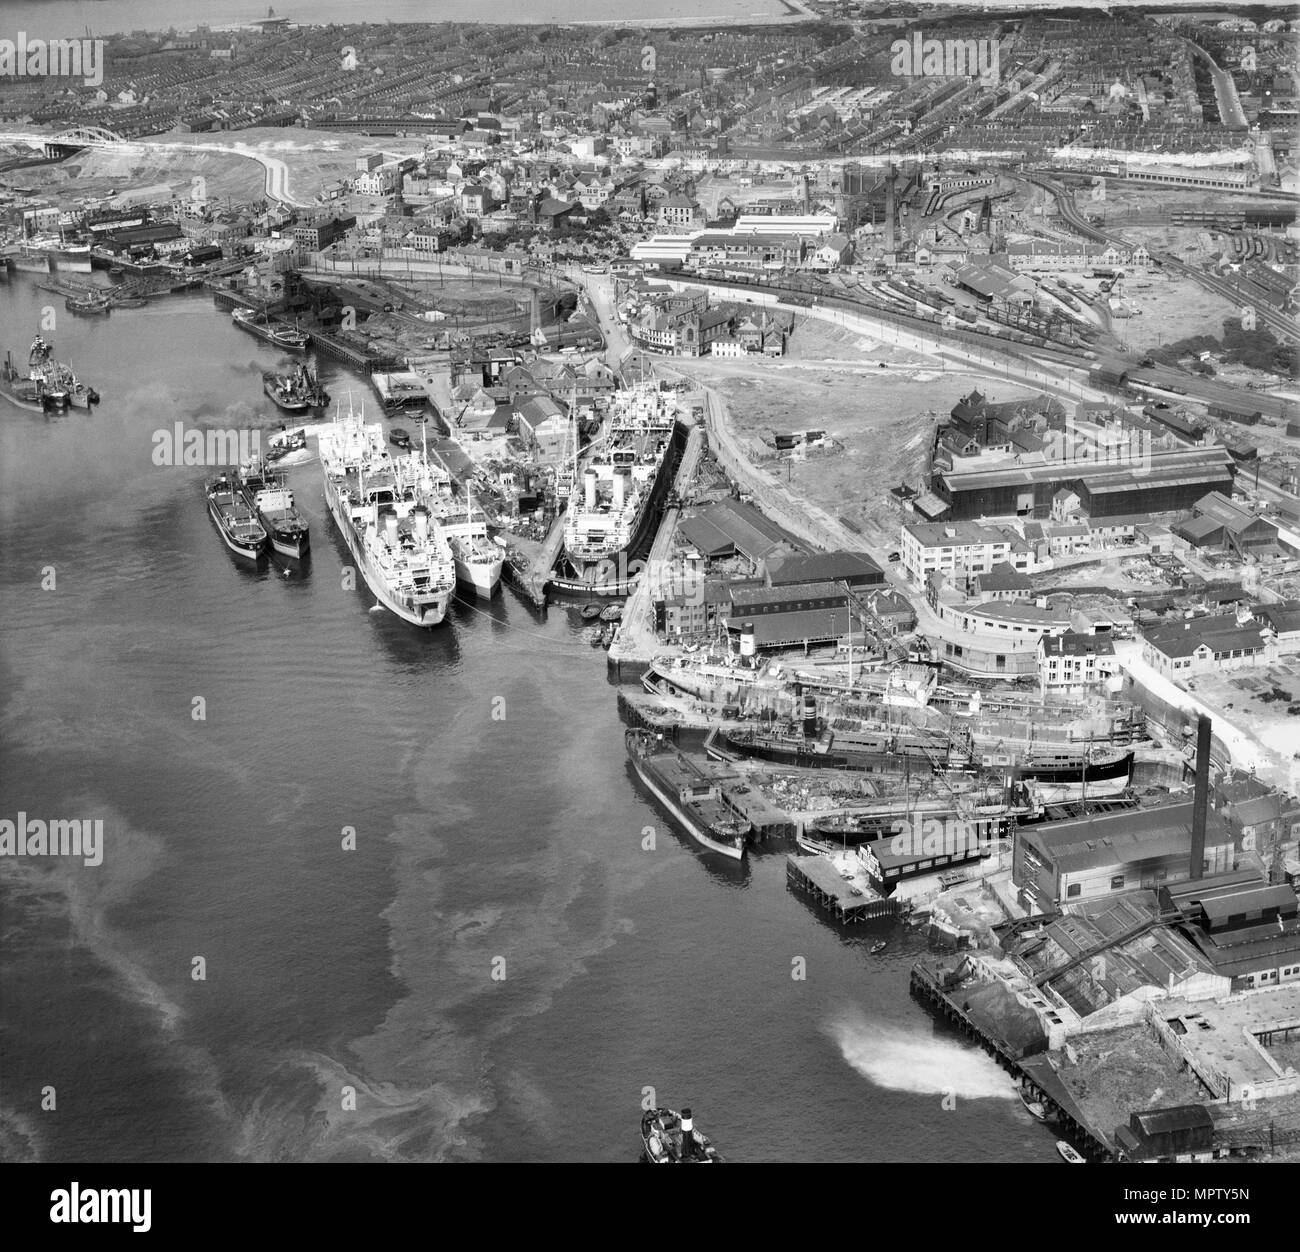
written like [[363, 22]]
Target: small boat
[[1035, 1108], [612, 613], [879, 946], [1068, 1154], [285, 441], [115, 271], [590, 612], [400, 438], [670, 1138]]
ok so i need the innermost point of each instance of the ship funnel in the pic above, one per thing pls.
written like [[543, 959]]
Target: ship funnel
[[688, 1123], [1200, 799], [620, 488], [809, 716], [390, 529], [420, 515], [747, 645], [589, 489]]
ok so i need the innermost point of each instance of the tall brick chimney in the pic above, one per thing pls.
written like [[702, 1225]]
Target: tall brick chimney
[[1200, 798]]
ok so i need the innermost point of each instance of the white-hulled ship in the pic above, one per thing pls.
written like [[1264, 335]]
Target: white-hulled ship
[[620, 486], [385, 510], [478, 560]]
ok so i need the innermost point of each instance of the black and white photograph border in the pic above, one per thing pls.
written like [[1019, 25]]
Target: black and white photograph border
[[630, 581]]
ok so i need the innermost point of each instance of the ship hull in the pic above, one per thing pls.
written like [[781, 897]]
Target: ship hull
[[692, 825], [285, 406], [250, 550], [427, 615], [482, 577], [293, 546], [1064, 783], [267, 335]]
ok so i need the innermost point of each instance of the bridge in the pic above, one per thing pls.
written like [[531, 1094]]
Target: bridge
[[74, 139]]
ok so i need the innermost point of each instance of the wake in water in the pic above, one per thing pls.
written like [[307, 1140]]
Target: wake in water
[[903, 1060]]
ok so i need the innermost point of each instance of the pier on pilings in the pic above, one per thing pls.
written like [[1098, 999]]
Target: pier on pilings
[[926, 985], [817, 878]]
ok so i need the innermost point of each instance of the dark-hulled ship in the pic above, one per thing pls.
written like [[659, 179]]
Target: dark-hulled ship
[[242, 533], [694, 801], [266, 493]]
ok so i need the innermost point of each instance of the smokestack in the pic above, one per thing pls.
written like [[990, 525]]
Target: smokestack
[[890, 210], [390, 527], [589, 490], [620, 488], [421, 517], [1201, 798]]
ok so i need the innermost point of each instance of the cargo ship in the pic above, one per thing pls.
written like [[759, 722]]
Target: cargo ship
[[242, 532], [385, 510], [286, 338], [694, 801], [619, 489], [266, 493]]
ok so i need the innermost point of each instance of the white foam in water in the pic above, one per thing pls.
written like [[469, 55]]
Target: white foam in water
[[903, 1060]]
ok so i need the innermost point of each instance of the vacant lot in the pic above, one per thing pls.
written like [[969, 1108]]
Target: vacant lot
[[881, 421]]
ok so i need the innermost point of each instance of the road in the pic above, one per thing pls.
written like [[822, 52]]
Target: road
[[1231, 114]]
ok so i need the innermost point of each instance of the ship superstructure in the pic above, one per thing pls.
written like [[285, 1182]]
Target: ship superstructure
[[618, 488], [386, 509]]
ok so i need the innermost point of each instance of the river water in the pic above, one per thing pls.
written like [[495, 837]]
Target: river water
[[348, 1008]]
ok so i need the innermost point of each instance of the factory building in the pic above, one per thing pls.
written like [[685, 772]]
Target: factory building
[[1165, 481]]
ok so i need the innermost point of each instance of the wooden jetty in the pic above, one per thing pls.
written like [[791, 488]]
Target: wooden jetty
[[817, 877], [931, 982]]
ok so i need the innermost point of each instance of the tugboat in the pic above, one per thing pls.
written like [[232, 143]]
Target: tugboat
[[266, 493], [239, 527], [285, 391], [670, 1138], [285, 441]]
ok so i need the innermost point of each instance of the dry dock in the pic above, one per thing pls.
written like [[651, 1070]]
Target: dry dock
[[636, 643]]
